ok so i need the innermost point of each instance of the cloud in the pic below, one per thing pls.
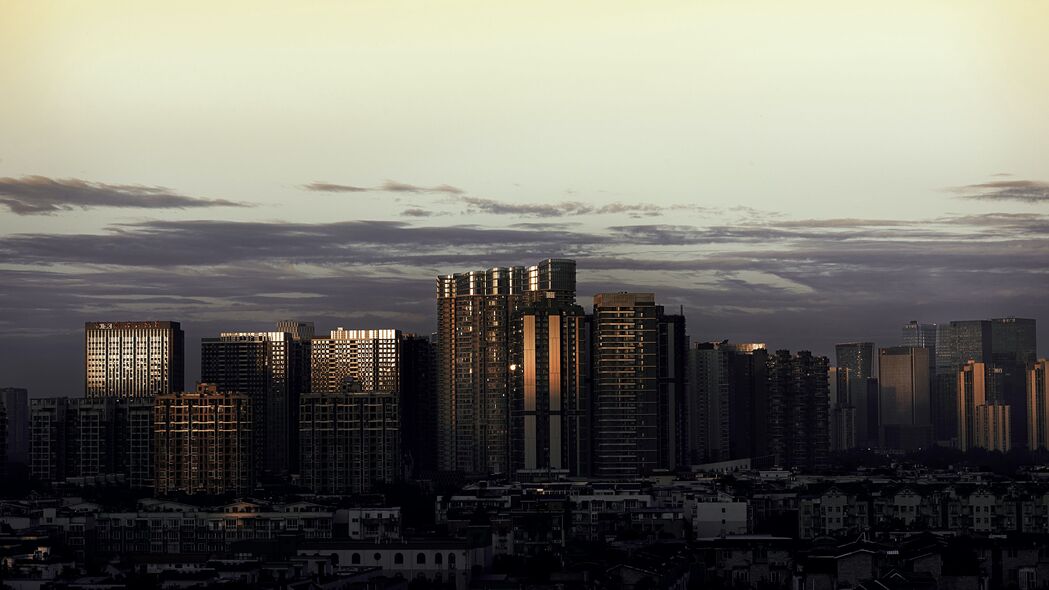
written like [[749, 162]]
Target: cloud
[[40, 195], [1024, 191], [389, 186], [327, 187], [417, 212], [561, 209]]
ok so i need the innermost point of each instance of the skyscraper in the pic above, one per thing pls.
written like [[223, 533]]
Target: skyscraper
[[842, 412], [674, 442], [978, 384], [798, 407], [418, 403], [16, 402], [855, 362], [133, 359], [1014, 350], [261, 366], [203, 442], [550, 389], [625, 402], [1038, 405], [727, 397], [474, 315], [350, 440], [903, 398]]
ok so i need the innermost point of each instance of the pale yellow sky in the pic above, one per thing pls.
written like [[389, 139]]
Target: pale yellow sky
[[808, 108]]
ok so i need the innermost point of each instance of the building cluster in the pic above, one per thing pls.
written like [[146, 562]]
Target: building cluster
[[519, 381]]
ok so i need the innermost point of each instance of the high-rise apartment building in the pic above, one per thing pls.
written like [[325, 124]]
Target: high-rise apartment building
[[639, 407], [350, 440], [16, 403], [267, 368], [798, 428], [550, 389], [418, 404], [84, 438], [992, 427], [3, 439], [203, 442], [978, 384], [372, 358], [727, 396], [133, 359], [855, 362], [903, 398], [475, 311], [1038, 405]]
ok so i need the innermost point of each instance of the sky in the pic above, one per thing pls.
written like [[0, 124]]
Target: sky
[[796, 173]]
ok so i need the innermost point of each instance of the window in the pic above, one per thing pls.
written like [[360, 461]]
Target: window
[[438, 559], [451, 561], [420, 559], [378, 557], [398, 558], [355, 559]]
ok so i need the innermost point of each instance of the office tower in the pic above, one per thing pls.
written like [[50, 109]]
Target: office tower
[[855, 362], [262, 366], [550, 389], [798, 428], [921, 335], [727, 394], [418, 404], [203, 442], [370, 357], [1038, 405], [474, 315], [903, 398], [842, 412], [970, 341], [133, 359], [941, 403], [91, 438], [16, 401], [1013, 350], [674, 448], [625, 404], [350, 440], [992, 427], [978, 384]]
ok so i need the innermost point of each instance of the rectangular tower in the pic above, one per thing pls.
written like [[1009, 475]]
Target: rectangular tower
[[262, 366], [474, 315], [203, 442], [1038, 405], [550, 389], [133, 359], [350, 441], [855, 362], [978, 384], [798, 427], [16, 402], [625, 426], [903, 398]]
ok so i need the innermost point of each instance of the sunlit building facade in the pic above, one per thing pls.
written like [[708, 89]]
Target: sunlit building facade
[[133, 359], [475, 311], [1038, 405], [203, 442], [550, 389]]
